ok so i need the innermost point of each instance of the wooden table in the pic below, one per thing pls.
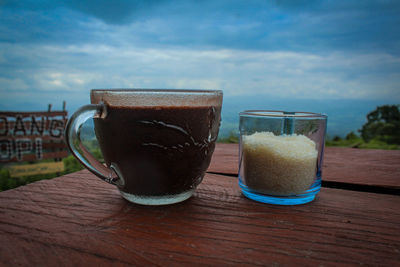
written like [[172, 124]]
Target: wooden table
[[78, 220]]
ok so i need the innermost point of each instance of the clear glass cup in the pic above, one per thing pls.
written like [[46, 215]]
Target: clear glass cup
[[281, 155], [156, 144]]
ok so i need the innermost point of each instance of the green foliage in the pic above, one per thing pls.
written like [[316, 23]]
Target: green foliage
[[352, 136], [378, 144], [71, 164], [337, 138], [383, 125], [233, 138], [7, 182], [352, 140], [381, 131]]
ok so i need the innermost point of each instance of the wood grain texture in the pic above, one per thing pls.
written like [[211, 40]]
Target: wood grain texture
[[225, 159], [78, 220], [373, 167], [25, 114]]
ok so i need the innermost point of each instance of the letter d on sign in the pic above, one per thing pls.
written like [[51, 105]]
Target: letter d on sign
[[4, 128]]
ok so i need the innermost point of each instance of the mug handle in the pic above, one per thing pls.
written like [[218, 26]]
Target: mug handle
[[73, 140]]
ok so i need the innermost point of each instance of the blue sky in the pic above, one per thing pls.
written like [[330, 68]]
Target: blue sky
[[52, 50]]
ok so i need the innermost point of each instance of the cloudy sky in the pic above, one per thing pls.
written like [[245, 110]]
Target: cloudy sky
[[55, 50]]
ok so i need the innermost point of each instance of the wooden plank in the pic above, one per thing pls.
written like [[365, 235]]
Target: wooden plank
[[33, 137], [48, 142], [26, 114], [56, 145], [225, 159], [371, 167], [45, 155], [79, 220], [375, 167], [37, 168]]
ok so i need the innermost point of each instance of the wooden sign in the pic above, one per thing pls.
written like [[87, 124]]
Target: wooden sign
[[31, 136], [37, 168]]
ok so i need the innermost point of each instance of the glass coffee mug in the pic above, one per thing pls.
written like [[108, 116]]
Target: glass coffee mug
[[156, 144]]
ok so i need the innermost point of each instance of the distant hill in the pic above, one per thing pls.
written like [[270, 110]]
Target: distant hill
[[344, 115]]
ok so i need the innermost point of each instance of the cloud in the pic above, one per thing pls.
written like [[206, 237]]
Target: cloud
[[238, 72], [304, 26], [115, 12]]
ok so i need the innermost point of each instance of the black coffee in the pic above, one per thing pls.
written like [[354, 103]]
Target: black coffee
[[159, 150]]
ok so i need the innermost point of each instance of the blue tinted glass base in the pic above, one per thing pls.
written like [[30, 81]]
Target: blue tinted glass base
[[308, 196], [157, 200]]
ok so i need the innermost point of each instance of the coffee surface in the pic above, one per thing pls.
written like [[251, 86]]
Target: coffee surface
[[158, 150]]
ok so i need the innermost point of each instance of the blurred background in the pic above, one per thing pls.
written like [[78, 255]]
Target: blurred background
[[341, 58]]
